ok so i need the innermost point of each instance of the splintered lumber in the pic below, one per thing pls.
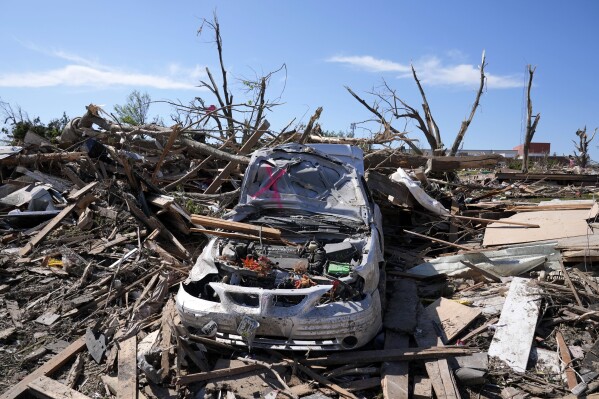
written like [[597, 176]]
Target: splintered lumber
[[46, 369], [439, 372], [570, 284], [422, 388], [564, 353], [217, 374], [451, 244], [216, 223], [389, 355], [246, 148], [398, 193], [516, 327], [492, 276], [324, 381], [56, 221], [37, 158], [395, 379], [171, 140], [451, 317], [127, 364], [47, 388], [387, 158], [206, 149], [483, 220]]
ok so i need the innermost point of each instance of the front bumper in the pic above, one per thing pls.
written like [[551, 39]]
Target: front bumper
[[303, 326]]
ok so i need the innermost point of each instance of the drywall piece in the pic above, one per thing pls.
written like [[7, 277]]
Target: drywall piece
[[516, 327], [451, 317], [552, 225]]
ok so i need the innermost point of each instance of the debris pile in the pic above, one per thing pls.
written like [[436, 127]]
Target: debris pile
[[488, 290]]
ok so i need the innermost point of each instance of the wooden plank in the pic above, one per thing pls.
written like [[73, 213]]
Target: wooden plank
[[422, 388], [57, 219], [217, 374], [567, 359], [171, 140], [217, 223], [245, 149], [395, 379], [15, 312], [46, 388], [515, 332], [127, 363], [492, 276], [324, 381], [438, 371], [46, 369], [397, 193], [360, 385], [451, 317], [389, 355], [480, 329], [483, 220], [451, 244], [570, 284]]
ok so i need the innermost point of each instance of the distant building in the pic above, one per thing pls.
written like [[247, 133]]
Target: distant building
[[535, 149], [464, 153]]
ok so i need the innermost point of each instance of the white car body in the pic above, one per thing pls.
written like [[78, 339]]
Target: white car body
[[321, 205]]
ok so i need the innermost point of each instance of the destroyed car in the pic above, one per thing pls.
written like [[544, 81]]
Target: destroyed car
[[316, 286]]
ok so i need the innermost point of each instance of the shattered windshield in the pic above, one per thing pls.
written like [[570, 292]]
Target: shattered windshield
[[314, 179]]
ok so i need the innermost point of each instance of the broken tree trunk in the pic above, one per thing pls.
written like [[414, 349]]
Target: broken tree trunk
[[531, 122]]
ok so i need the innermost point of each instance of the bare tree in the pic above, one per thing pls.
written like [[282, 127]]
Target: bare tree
[[582, 157], [531, 121], [426, 123], [222, 117], [460, 137]]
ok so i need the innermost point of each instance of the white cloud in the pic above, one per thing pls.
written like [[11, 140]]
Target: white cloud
[[82, 72], [81, 75], [432, 71], [370, 63]]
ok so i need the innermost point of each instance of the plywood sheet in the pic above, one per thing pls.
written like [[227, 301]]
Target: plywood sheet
[[553, 225], [451, 317]]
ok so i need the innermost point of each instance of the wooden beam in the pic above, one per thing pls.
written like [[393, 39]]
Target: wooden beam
[[482, 220], [245, 149], [127, 388], [37, 158], [570, 284], [46, 388], [39, 237], [395, 377], [439, 372], [564, 353], [46, 369], [229, 225], [395, 159], [389, 355], [451, 244], [217, 374], [324, 381]]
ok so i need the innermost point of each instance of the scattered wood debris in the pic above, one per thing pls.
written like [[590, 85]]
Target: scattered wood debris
[[94, 241]]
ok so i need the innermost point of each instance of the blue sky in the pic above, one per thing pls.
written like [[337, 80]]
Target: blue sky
[[59, 56]]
